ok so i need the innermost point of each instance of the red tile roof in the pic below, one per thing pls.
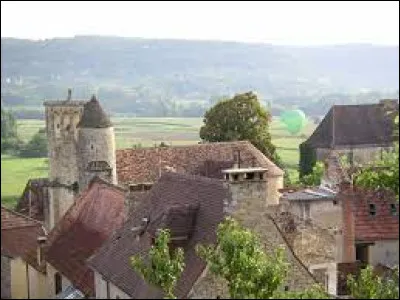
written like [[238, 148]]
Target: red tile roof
[[173, 196], [381, 226], [19, 236], [143, 164], [94, 216]]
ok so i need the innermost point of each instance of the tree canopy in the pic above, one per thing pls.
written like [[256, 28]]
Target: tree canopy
[[237, 119]]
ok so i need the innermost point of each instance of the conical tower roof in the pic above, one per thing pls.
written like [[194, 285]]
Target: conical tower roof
[[94, 116]]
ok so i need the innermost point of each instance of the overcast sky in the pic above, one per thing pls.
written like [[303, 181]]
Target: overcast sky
[[294, 23]]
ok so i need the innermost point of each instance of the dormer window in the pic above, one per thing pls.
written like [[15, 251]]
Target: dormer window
[[372, 209]]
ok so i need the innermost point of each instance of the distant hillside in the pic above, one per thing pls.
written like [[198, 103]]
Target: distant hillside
[[176, 77]]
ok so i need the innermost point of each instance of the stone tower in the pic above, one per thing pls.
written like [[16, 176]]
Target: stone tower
[[96, 145], [62, 118]]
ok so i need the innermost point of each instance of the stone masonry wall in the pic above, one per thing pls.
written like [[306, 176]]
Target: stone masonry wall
[[5, 277], [61, 126], [305, 244]]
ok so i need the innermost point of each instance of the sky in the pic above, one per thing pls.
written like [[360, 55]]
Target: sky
[[281, 23]]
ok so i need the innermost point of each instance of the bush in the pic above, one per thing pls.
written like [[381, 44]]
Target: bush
[[36, 147]]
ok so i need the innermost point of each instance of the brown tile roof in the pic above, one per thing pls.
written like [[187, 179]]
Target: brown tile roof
[[19, 236], [39, 199], [93, 115], [345, 125], [172, 190], [381, 226], [94, 216], [143, 165]]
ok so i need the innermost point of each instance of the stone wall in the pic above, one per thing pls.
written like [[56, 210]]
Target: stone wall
[[384, 252], [61, 126], [305, 244], [96, 144], [5, 277], [361, 154]]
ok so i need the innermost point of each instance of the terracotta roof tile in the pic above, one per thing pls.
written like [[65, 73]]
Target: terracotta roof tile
[[171, 190], [143, 165], [19, 236], [94, 216]]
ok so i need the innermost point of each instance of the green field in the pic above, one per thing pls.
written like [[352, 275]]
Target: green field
[[15, 172]]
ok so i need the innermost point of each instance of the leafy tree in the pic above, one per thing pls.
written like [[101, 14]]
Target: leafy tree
[[164, 266], [240, 118], [37, 146], [370, 286], [314, 178], [9, 137], [240, 259]]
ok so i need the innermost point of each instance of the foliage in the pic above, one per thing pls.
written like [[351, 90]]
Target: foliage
[[314, 178], [369, 286], [308, 159], [240, 259], [314, 292], [383, 173], [9, 137], [37, 146], [164, 265], [237, 119]]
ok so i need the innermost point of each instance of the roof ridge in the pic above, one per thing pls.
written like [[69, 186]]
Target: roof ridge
[[244, 142], [200, 178], [22, 215]]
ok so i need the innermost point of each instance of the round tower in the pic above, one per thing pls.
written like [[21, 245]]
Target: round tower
[[96, 145]]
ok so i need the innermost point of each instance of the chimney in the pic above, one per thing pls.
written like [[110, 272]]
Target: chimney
[[41, 241], [347, 197]]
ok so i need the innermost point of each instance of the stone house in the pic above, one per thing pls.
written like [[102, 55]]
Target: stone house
[[23, 269], [361, 132], [94, 216], [192, 207], [366, 224]]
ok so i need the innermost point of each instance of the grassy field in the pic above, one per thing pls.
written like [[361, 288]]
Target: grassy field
[[15, 172]]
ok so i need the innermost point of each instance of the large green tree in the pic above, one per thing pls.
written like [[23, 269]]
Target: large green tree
[[37, 146], [240, 118]]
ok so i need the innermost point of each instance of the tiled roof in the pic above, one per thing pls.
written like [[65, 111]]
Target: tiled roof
[[143, 164], [315, 193], [19, 236], [345, 125], [39, 198], [381, 226], [171, 190], [94, 216]]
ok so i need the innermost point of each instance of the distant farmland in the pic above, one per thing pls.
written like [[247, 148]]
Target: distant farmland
[[145, 132]]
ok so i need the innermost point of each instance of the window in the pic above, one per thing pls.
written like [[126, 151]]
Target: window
[[58, 283], [250, 176], [372, 209], [261, 176], [226, 176], [334, 202], [286, 288], [362, 253], [235, 177], [108, 289], [393, 209]]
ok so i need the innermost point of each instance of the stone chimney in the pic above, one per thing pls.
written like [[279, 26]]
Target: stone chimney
[[347, 197]]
